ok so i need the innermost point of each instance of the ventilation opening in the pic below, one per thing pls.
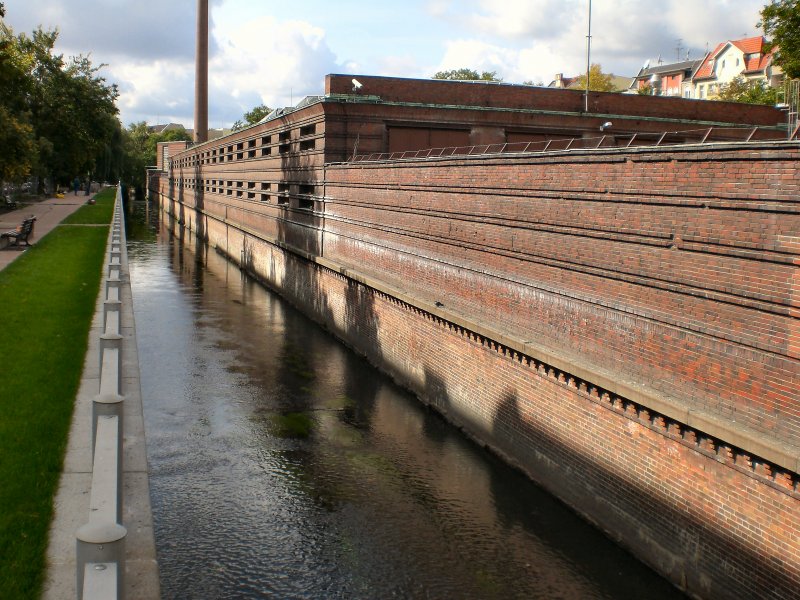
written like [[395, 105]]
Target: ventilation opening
[[307, 144], [308, 130], [305, 204], [306, 189], [284, 148]]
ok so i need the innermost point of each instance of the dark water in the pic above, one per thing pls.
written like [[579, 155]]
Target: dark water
[[284, 466]]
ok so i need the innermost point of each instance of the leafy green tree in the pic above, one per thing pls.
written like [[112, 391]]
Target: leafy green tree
[[467, 75], [62, 111], [140, 147], [17, 147], [781, 21], [598, 81], [645, 90], [748, 92], [252, 117]]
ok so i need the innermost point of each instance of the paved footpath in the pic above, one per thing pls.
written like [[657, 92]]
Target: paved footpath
[[48, 213], [71, 504]]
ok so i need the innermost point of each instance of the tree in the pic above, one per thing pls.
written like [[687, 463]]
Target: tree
[[781, 21], [645, 90], [252, 117], [62, 115], [140, 147], [748, 92], [598, 81], [465, 74]]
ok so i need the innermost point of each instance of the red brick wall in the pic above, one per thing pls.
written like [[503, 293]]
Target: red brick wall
[[431, 91], [715, 521], [691, 294], [595, 259]]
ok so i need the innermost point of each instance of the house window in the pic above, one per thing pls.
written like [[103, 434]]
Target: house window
[[723, 64], [737, 62]]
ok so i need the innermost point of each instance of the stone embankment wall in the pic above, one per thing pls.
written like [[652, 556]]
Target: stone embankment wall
[[622, 325]]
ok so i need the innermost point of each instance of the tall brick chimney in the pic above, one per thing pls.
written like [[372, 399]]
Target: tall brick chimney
[[201, 74]]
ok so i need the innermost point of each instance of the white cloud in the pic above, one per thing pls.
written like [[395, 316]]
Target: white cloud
[[270, 61], [262, 52]]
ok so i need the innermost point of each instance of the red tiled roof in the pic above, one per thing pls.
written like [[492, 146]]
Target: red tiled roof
[[752, 45], [759, 63], [707, 68], [749, 45]]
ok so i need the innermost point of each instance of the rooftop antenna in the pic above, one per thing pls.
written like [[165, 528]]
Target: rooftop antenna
[[678, 48], [588, 59]]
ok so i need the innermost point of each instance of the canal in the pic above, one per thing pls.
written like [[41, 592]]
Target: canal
[[282, 465]]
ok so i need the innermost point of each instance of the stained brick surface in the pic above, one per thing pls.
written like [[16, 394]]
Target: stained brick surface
[[676, 272]]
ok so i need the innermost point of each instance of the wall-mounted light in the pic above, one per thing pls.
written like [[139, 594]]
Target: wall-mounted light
[[605, 125]]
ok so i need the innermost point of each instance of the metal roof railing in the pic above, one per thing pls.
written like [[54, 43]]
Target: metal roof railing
[[608, 140]]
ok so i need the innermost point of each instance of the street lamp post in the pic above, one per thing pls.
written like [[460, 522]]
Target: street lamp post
[[588, 59]]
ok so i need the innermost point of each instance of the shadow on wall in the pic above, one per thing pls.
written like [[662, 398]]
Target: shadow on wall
[[199, 203], [300, 216], [700, 560]]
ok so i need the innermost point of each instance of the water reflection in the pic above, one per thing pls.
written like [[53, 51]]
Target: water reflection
[[282, 465]]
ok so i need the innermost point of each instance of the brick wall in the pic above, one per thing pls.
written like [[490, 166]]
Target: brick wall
[[483, 94], [688, 294], [630, 345]]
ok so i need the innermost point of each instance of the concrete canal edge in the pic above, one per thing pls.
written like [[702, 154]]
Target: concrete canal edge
[[71, 505]]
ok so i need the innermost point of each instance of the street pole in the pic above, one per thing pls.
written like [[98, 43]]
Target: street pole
[[588, 59]]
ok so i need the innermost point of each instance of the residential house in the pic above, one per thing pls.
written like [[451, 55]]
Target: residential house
[[619, 82], [747, 58], [673, 79]]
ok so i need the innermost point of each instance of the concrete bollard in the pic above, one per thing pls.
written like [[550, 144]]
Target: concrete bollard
[[113, 281], [111, 370], [100, 581], [106, 404], [112, 305], [100, 543]]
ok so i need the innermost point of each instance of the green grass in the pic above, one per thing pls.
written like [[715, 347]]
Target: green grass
[[95, 214], [47, 301]]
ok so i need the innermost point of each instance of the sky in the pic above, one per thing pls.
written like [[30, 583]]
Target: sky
[[276, 53]]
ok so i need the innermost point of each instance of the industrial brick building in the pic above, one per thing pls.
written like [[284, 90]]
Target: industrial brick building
[[615, 314]]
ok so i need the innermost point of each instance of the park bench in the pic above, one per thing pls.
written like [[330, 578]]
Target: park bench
[[20, 234]]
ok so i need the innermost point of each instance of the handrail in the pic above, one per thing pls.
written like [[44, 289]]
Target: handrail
[[100, 547], [682, 137]]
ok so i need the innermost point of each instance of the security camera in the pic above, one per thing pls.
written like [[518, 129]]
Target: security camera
[[357, 85]]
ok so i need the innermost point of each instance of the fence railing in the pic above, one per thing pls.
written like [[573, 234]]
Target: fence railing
[[608, 139], [100, 556]]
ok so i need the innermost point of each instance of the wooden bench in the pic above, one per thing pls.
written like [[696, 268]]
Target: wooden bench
[[20, 234]]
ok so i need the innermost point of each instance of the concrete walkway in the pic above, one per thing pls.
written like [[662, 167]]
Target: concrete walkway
[[71, 504], [48, 213]]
